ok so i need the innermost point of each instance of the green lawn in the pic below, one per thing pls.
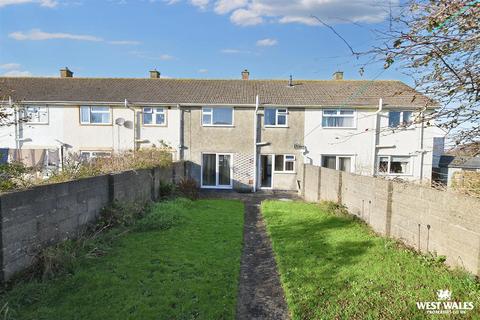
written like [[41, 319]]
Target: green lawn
[[189, 271], [334, 267]]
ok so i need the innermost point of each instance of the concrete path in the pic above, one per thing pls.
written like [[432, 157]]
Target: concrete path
[[260, 293]]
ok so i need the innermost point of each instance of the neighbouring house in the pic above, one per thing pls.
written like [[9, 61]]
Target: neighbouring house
[[241, 134], [451, 165]]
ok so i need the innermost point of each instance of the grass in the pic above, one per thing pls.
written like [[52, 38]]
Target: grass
[[335, 267], [181, 261]]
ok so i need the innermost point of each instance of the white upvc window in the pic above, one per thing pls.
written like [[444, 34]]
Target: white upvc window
[[338, 118], [338, 162], [35, 114], [284, 163], [95, 115], [154, 116], [399, 118], [89, 155], [276, 117], [217, 116], [394, 165]]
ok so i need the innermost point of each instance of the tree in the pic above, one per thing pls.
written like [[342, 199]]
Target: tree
[[438, 44]]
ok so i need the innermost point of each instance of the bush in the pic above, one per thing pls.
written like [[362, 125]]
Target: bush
[[13, 176], [187, 187], [120, 214], [166, 190]]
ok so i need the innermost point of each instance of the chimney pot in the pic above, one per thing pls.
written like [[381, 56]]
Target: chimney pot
[[154, 74], [66, 73], [338, 75], [245, 74]]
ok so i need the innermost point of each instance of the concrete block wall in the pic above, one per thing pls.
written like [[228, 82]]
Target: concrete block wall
[[425, 219], [44, 215]]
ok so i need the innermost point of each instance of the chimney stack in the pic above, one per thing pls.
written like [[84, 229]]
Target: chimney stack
[[338, 75], [66, 73], [154, 74], [245, 74]]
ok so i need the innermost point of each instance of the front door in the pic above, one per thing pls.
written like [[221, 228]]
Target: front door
[[216, 170], [266, 171]]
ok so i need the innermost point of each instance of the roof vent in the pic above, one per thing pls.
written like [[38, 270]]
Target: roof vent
[[245, 74], [154, 74], [66, 73], [338, 75], [290, 81]]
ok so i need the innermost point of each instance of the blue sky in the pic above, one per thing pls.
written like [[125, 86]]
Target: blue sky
[[188, 38]]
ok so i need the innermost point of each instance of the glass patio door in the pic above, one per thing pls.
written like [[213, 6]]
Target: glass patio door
[[216, 170]]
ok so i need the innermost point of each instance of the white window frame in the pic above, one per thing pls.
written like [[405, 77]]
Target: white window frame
[[294, 160], [388, 173], [25, 114], [337, 114], [211, 111], [90, 116], [337, 160], [217, 186], [154, 112], [401, 121], [277, 114], [92, 152]]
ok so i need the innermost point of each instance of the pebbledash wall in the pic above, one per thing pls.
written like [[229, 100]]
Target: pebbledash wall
[[44, 215], [421, 217]]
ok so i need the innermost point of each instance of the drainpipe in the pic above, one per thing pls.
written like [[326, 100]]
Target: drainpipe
[[16, 123], [422, 153], [181, 133], [255, 116], [375, 136], [134, 125]]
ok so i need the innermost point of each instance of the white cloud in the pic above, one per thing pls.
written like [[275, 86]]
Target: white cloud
[[202, 4], [267, 42], [166, 57], [39, 35], [244, 17], [9, 66], [225, 6], [124, 42], [17, 73], [150, 56], [43, 3], [203, 71], [254, 12], [234, 51]]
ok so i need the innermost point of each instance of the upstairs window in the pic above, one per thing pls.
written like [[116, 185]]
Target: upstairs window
[[219, 116], [338, 118], [394, 165], [399, 118], [284, 163], [154, 116], [35, 114], [94, 115], [275, 117]]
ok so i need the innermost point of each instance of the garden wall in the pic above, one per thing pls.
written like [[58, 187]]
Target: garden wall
[[44, 215], [423, 218]]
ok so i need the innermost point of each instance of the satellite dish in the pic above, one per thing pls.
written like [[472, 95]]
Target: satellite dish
[[120, 121], [128, 124]]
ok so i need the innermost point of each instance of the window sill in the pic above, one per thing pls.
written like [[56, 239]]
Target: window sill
[[36, 123], [218, 125], [96, 124], [285, 172], [343, 128], [154, 125], [270, 126]]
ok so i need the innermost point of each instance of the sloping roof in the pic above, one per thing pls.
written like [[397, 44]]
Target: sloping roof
[[197, 91], [460, 162]]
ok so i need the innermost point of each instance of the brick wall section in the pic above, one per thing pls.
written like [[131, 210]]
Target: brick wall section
[[422, 218], [44, 215]]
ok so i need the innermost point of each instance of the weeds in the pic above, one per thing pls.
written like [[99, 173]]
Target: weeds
[[188, 188]]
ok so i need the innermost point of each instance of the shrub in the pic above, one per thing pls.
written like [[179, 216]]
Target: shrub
[[13, 176], [187, 187], [120, 214], [166, 190]]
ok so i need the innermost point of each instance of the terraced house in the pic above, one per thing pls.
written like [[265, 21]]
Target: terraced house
[[241, 134]]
